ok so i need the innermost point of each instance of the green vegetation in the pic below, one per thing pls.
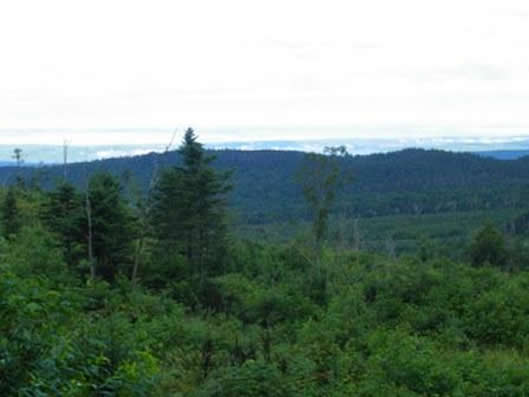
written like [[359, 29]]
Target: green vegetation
[[189, 212], [10, 219], [409, 182], [320, 178], [105, 292]]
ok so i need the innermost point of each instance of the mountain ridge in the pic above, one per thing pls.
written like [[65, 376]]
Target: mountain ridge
[[407, 181]]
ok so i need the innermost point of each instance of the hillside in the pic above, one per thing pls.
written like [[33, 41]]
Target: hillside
[[99, 297], [411, 181]]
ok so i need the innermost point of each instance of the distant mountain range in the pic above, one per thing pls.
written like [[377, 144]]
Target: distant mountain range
[[507, 148], [504, 154]]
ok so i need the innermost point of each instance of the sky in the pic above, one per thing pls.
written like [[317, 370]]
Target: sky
[[288, 69]]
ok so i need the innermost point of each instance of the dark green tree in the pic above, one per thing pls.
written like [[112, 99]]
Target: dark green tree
[[63, 214], [488, 246], [188, 212], [112, 225], [320, 177], [10, 214]]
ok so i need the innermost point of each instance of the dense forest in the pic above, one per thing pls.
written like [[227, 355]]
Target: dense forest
[[412, 181], [198, 273]]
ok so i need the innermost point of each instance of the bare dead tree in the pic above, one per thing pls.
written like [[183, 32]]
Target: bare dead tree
[[90, 233], [171, 142], [65, 159], [144, 211]]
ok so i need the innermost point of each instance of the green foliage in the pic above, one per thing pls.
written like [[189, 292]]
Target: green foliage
[[10, 215], [189, 210], [388, 327], [36, 251], [488, 247], [403, 362], [53, 343], [113, 229], [212, 317], [499, 315], [320, 178], [262, 304], [411, 182], [254, 378], [64, 215], [112, 226]]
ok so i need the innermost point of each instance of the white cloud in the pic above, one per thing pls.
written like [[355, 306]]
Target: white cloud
[[363, 68]]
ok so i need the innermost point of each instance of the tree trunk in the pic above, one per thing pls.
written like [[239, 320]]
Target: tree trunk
[[139, 249]]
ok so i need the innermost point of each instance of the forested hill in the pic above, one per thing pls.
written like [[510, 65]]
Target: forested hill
[[408, 181]]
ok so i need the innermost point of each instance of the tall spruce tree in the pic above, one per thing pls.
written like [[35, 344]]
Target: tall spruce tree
[[63, 214], [188, 212], [111, 230]]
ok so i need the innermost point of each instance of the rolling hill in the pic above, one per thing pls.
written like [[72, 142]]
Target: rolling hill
[[411, 181]]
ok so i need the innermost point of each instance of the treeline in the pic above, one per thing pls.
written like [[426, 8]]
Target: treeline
[[407, 182], [106, 230]]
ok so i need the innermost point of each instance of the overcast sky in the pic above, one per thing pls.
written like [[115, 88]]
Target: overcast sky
[[294, 68]]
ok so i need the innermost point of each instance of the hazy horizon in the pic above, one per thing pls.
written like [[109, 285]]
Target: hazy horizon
[[217, 136], [119, 143]]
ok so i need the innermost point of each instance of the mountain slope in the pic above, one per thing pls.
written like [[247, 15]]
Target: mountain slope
[[408, 181]]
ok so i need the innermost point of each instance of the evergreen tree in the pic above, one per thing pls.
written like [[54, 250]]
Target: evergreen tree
[[10, 215], [111, 225], [488, 246], [189, 208], [63, 214]]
